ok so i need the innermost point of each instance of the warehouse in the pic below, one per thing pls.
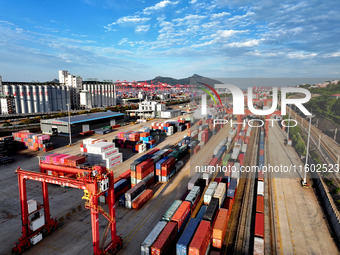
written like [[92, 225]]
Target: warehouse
[[81, 123]]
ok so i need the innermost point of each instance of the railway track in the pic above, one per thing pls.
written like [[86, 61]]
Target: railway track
[[243, 240]]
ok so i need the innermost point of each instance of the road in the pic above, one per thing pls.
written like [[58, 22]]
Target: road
[[300, 221]]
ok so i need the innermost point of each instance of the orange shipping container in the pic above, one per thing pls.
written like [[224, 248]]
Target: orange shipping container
[[142, 199], [181, 214], [259, 204], [220, 228]]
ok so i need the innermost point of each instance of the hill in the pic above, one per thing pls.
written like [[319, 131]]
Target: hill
[[190, 80]]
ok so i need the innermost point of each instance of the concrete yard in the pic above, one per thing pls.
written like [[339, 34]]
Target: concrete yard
[[302, 228], [75, 236]]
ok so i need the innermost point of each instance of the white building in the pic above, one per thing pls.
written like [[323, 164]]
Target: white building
[[85, 99], [70, 80], [7, 104]]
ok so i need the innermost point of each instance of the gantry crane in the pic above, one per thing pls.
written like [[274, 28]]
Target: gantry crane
[[94, 181]]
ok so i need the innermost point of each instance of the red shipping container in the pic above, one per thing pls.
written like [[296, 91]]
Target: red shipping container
[[152, 151], [168, 166], [126, 174], [201, 239], [260, 176], [196, 203], [261, 153], [218, 179], [165, 239], [228, 204], [197, 148], [145, 166], [181, 213], [241, 158], [142, 199], [117, 179], [259, 204], [213, 162], [259, 225]]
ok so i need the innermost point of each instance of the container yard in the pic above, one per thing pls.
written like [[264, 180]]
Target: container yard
[[135, 190]]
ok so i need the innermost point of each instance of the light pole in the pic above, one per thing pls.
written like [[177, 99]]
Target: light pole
[[69, 123], [288, 125], [305, 173]]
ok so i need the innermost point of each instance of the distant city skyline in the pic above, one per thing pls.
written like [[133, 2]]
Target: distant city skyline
[[139, 40]]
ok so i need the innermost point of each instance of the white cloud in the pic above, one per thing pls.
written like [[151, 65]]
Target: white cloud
[[190, 19], [223, 34], [142, 28], [219, 15], [126, 19], [335, 54], [159, 6], [249, 43], [301, 55]]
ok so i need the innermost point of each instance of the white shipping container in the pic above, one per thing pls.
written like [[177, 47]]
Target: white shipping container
[[100, 147], [36, 239], [236, 174], [260, 188], [32, 205], [209, 193], [37, 223], [217, 149], [220, 192], [244, 148], [258, 246]]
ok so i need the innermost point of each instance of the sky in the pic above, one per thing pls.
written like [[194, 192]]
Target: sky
[[142, 39]]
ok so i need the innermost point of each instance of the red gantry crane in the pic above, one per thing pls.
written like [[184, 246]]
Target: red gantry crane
[[95, 182]]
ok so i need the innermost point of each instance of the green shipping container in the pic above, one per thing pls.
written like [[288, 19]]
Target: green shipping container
[[226, 159], [171, 211]]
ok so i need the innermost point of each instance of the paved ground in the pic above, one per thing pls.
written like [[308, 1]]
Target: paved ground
[[74, 237], [301, 224]]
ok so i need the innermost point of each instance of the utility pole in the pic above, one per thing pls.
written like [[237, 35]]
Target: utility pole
[[288, 125], [69, 123], [335, 131], [305, 173]]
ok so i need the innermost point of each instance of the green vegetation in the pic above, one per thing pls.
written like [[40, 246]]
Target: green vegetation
[[336, 190], [297, 141], [325, 105]]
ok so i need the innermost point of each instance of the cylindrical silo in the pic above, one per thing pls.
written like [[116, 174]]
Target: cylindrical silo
[[16, 95], [29, 98], [23, 101], [53, 99], [63, 98], [36, 105], [7, 91], [58, 90], [68, 100], [106, 95], [41, 98], [47, 98]]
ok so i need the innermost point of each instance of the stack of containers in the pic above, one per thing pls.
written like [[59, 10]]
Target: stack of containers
[[171, 211], [63, 159], [232, 188], [167, 170], [151, 238], [209, 193], [193, 197], [165, 239], [211, 211], [182, 246], [182, 215], [103, 153], [144, 172], [133, 193], [32, 141], [220, 193], [89, 141]]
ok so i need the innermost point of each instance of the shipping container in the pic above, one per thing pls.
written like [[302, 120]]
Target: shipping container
[[182, 215], [259, 204], [209, 193], [151, 238], [142, 199], [171, 211], [260, 188], [194, 180], [200, 243], [182, 246], [258, 246], [259, 225], [165, 239], [201, 212], [220, 227], [193, 196], [132, 193], [220, 193], [211, 211]]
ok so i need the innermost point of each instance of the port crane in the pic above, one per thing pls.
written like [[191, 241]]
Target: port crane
[[95, 182]]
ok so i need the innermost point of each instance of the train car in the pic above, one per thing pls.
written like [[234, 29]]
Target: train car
[[171, 211], [182, 246], [151, 238], [200, 243]]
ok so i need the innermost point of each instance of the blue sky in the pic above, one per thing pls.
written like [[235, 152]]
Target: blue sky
[[138, 40]]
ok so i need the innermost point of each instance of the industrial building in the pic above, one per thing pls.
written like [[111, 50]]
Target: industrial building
[[36, 97], [81, 123], [97, 94], [31, 97]]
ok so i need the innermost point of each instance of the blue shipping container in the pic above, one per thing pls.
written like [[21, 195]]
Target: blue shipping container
[[201, 212], [118, 186], [159, 163], [182, 247]]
